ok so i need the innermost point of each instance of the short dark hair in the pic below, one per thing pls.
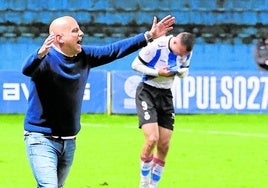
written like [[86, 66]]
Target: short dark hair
[[188, 40]]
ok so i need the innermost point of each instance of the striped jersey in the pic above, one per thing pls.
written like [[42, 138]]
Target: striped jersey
[[157, 54]]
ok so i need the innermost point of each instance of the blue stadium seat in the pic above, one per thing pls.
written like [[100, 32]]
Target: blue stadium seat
[[260, 5], [13, 16], [187, 12], [249, 17], [15, 5], [205, 5], [262, 17], [184, 17]]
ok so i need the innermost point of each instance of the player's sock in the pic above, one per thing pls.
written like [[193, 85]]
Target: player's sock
[[156, 173], [146, 165]]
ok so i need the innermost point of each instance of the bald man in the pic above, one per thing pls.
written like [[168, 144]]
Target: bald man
[[59, 70]]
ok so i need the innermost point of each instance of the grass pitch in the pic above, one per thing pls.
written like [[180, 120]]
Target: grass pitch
[[207, 151]]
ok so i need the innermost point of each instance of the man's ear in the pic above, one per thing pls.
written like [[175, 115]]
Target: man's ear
[[59, 39]]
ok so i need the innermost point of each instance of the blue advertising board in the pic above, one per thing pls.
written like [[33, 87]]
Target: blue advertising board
[[95, 95], [201, 92], [124, 85], [15, 92], [222, 92]]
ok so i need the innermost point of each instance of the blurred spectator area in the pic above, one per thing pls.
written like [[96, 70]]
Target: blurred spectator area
[[225, 30]]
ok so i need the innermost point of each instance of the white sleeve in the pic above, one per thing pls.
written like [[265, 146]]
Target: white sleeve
[[183, 72], [138, 65]]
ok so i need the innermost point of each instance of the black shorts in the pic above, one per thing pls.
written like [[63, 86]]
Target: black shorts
[[155, 105]]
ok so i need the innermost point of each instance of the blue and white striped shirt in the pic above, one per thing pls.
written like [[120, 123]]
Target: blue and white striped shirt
[[157, 54]]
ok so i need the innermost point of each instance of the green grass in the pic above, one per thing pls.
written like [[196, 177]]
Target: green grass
[[207, 151]]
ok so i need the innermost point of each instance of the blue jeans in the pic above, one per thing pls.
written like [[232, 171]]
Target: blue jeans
[[50, 158]]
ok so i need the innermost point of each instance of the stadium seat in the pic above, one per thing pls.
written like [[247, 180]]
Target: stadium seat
[[225, 28]]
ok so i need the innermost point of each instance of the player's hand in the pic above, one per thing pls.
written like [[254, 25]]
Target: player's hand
[[46, 46], [183, 72], [161, 28], [164, 71]]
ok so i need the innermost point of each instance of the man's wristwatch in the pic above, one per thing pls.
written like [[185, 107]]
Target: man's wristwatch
[[148, 36]]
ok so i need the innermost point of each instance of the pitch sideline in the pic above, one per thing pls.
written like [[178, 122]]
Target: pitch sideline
[[202, 131]]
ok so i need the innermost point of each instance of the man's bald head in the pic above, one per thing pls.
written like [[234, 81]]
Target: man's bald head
[[67, 35], [61, 24]]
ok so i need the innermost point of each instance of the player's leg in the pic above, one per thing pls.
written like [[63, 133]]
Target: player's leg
[[159, 159], [163, 143], [166, 123], [151, 135], [148, 123]]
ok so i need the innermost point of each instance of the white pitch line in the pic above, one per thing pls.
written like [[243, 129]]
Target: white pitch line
[[184, 130], [231, 133]]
